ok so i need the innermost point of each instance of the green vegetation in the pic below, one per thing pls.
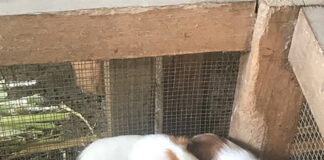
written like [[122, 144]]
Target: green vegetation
[[33, 118], [27, 122]]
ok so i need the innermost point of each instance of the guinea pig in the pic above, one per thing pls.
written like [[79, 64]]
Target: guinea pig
[[137, 147], [211, 147]]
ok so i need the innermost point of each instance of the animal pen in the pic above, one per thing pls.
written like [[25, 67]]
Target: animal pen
[[251, 71]]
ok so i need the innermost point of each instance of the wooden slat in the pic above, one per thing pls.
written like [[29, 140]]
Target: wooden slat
[[17, 7], [279, 3], [125, 33], [158, 93], [49, 147], [307, 59], [89, 76], [129, 99], [108, 97], [268, 98]]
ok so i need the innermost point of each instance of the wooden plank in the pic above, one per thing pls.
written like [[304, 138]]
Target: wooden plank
[[131, 96], [83, 141], [89, 76], [125, 33], [293, 2], [307, 60], [40, 6], [108, 97], [268, 98], [315, 19], [158, 110]]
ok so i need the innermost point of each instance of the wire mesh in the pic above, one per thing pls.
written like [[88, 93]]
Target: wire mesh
[[199, 93], [308, 143], [51, 111]]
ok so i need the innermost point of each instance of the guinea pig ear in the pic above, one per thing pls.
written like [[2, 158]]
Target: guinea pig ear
[[181, 141], [171, 155]]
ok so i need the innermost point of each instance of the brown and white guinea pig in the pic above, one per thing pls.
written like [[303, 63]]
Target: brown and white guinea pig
[[136, 147], [211, 147]]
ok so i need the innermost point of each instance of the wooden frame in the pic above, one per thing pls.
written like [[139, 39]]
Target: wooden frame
[[90, 35], [267, 100], [266, 92], [83, 141], [307, 59], [19, 7], [278, 3], [268, 97], [125, 33]]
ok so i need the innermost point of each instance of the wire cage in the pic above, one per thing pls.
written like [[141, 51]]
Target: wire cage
[[51, 111], [308, 142]]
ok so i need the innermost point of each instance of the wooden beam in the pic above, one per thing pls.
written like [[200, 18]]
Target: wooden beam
[[17, 7], [158, 100], [125, 33], [307, 59], [89, 76], [278, 3], [108, 97], [83, 141], [129, 98], [268, 98]]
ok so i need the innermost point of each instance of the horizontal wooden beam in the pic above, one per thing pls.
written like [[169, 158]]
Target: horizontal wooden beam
[[267, 99], [306, 57], [17, 7], [125, 33], [49, 147], [279, 3]]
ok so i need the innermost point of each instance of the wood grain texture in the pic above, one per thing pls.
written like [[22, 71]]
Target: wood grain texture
[[78, 142], [158, 93], [307, 60], [89, 76], [268, 98], [125, 33], [17, 7], [293, 2], [315, 17]]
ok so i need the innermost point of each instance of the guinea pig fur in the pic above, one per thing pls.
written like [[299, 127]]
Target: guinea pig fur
[[136, 147], [211, 147]]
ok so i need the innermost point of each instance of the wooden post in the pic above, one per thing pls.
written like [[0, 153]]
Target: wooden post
[[131, 95], [268, 99], [307, 59], [89, 76], [106, 70], [158, 119]]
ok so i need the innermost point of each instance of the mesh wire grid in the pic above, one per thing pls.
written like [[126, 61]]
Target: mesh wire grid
[[51, 111], [308, 143]]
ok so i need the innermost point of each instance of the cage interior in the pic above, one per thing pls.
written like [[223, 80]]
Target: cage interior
[[51, 111], [308, 143]]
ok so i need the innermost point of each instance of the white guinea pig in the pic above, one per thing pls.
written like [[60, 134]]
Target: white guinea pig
[[136, 147], [211, 147]]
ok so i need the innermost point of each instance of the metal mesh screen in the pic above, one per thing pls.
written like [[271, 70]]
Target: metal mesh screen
[[51, 111], [199, 93], [308, 143]]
